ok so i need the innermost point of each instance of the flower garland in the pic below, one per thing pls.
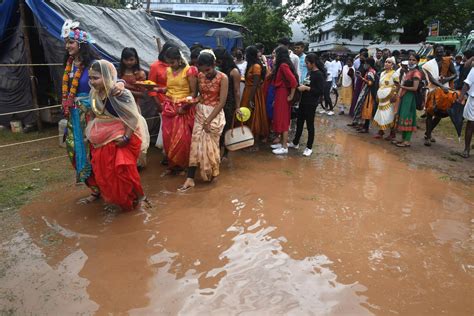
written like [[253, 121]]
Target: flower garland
[[68, 94]]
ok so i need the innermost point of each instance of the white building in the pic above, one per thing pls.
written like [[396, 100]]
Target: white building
[[207, 9], [326, 39]]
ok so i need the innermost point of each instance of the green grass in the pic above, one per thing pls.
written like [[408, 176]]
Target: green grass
[[19, 185], [445, 128]]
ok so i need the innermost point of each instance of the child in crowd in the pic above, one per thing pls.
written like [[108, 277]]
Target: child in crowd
[[131, 72], [209, 121]]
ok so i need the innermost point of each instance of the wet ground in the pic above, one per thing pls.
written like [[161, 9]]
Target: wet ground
[[351, 231]]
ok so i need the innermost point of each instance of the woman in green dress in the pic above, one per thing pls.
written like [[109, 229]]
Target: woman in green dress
[[407, 108]]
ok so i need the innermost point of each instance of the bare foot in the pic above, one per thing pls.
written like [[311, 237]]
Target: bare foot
[[141, 202], [188, 184], [89, 199], [111, 208]]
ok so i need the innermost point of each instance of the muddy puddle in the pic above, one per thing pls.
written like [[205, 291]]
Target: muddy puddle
[[351, 231]]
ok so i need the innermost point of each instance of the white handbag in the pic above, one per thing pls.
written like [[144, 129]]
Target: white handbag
[[159, 139], [238, 137]]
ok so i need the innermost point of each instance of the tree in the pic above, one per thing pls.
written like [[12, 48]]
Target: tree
[[265, 21], [382, 19]]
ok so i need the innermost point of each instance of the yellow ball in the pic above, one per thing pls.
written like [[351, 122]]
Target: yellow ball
[[245, 114]]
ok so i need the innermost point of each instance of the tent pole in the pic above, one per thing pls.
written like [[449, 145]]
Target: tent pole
[[148, 6], [26, 40]]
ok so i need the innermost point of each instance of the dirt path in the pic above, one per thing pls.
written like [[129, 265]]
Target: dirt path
[[359, 228]]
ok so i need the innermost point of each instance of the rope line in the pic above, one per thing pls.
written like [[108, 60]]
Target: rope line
[[38, 109], [29, 141], [51, 137], [44, 160], [45, 108], [29, 65], [32, 163]]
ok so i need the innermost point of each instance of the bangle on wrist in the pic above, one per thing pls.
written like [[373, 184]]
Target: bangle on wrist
[[126, 138]]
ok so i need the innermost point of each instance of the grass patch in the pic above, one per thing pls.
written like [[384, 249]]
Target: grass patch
[[287, 172], [445, 127], [19, 185]]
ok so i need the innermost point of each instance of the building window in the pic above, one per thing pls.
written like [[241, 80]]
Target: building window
[[212, 15], [196, 14], [347, 35], [224, 14], [367, 37], [181, 12], [327, 35]]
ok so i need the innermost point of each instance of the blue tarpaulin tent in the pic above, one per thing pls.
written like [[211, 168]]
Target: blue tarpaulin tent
[[191, 30]]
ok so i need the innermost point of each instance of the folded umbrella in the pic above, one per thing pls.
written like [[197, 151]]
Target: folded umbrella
[[456, 115]]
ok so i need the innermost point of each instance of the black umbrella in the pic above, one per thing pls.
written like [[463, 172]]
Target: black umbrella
[[223, 32], [456, 115]]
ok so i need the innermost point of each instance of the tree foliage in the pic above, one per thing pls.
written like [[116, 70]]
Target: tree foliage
[[265, 21], [385, 18]]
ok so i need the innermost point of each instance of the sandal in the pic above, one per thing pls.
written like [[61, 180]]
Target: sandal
[[138, 202], [403, 144], [89, 199], [431, 139], [464, 154], [183, 188]]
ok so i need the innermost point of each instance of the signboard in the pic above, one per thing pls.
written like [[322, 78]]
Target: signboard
[[434, 28]]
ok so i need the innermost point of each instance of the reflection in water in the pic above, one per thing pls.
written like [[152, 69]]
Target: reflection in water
[[42, 287], [350, 231], [258, 278]]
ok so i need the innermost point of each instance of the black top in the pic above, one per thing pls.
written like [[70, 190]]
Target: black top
[[230, 102], [110, 108], [316, 83]]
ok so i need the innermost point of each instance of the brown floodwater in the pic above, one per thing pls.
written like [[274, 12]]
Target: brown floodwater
[[350, 231]]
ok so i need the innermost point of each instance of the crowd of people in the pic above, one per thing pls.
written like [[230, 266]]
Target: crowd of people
[[198, 100], [386, 90]]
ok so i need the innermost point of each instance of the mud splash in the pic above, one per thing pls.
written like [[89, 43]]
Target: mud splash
[[350, 231]]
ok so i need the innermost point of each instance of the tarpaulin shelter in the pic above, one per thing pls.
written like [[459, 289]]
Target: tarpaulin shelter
[[191, 30], [112, 30]]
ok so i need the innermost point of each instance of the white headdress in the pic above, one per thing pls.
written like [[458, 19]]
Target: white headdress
[[208, 51], [71, 30], [392, 60]]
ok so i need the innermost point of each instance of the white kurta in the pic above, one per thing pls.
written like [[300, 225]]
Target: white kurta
[[469, 107]]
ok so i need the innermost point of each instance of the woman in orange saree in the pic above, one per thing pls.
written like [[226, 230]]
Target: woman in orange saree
[[253, 96]]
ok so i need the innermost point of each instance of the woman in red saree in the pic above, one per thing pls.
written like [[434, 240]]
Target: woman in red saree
[[178, 109], [118, 134]]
